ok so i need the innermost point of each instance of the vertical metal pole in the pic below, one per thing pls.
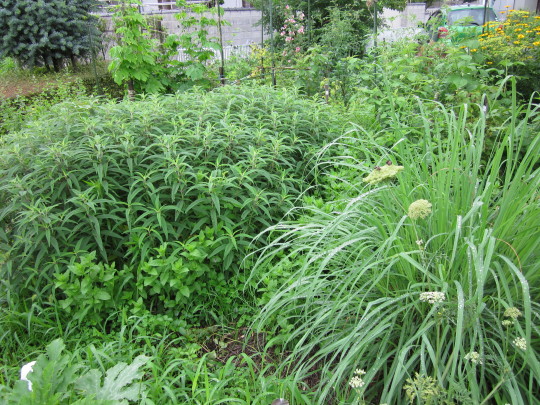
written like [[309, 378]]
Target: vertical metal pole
[[309, 21], [485, 16], [272, 42], [375, 25], [263, 73], [222, 67]]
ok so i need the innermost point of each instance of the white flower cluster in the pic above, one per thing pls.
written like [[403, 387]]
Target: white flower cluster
[[512, 312], [474, 357], [385, 172], [520, 343], [357, 382], [432, 297], [419, 209]]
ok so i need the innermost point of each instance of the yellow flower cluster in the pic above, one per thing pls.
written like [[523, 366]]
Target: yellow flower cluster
[[517, 39]]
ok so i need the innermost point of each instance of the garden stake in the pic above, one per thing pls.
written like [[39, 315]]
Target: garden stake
[[222, 67]]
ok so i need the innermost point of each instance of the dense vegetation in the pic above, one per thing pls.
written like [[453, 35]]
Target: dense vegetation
[[247, 243], [45, 33]]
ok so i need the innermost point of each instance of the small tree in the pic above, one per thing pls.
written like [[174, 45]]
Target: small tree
[[46, 32]]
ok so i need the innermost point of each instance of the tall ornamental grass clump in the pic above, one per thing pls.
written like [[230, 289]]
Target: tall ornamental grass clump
[[423, 288], [151, 204]]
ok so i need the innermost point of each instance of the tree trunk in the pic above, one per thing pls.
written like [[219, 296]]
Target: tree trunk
[[57, 64], [131, 90]]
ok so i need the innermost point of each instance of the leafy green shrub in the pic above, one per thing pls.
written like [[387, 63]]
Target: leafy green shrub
[[172, 187], [390, 85], [424, 285]]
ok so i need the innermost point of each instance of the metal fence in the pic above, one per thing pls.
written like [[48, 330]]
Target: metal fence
[[242, 51]]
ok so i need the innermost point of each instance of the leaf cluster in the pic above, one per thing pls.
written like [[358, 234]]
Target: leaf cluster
[[172, 187]]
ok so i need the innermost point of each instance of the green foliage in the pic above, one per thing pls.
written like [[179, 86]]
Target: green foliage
[[321, 23], [118, 386], [390, 85], [195, 20], [92, 290], [136, 58], [149, 65], [7, 65], [173, 187], [56, 379], [44, 33], [341, 36], [356, 301], [16, 112]]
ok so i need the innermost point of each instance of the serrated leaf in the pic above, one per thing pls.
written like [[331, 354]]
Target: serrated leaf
[[118, 384]]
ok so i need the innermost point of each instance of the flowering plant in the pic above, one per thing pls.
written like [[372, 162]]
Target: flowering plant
[[292, 31], [515, 46]]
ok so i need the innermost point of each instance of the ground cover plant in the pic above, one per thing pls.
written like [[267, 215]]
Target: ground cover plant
[[426, 281]]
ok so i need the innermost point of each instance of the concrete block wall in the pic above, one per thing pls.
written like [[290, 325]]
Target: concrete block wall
[[241, 30], [413, 14]]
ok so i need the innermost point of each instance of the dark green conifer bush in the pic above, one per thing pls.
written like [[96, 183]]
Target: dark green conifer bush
[[167, 191], [45, 32]]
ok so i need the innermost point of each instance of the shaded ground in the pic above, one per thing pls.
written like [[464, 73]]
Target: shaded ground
[[22, 83]]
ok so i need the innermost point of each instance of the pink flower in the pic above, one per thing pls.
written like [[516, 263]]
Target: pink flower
[[282, 33], [288, 39], [287, 7], [301, 16], [301, 30], [297, 49]]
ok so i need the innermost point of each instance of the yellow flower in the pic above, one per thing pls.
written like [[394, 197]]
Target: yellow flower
[[516, 42], [521, 36], [474, 50], [536, 43], [489, 63]]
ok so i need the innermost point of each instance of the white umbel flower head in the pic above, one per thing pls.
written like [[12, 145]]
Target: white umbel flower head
[[356, 382], [474, 357], [512, 312], [419, 209], [432, 297], [25, 370], [520, 343]]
